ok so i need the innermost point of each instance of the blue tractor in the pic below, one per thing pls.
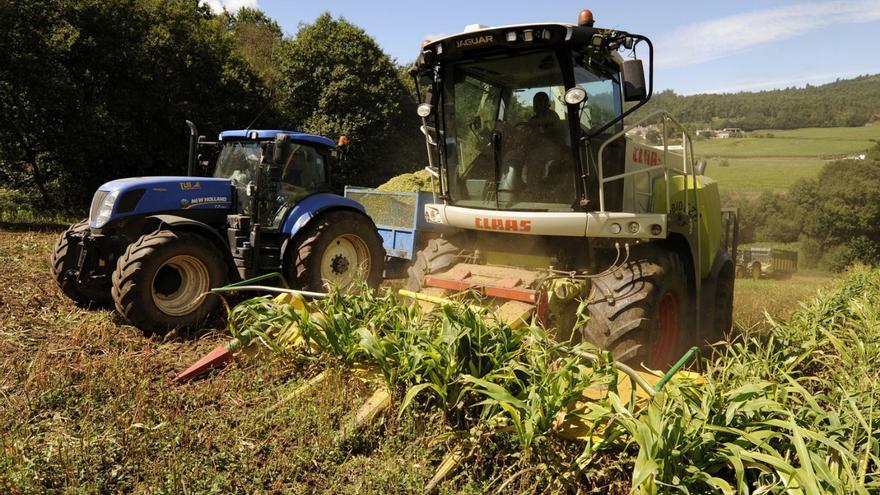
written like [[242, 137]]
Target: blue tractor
[[155, 246]]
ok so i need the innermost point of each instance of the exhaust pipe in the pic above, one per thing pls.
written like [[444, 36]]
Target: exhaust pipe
[[193, 143]]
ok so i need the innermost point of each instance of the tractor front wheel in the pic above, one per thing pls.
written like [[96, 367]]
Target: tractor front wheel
[[63, 261], [162, 281], [643, 311], [336, 250]]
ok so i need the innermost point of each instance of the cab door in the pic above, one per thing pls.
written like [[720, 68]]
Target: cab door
[[302, 172]]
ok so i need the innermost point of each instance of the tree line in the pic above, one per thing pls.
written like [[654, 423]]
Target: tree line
[[92, 90], [843, 103]]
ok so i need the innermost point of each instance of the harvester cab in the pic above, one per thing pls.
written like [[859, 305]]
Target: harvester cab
[[610, 233], [155, 246]]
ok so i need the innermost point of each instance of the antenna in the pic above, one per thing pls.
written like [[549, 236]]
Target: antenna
[[259, 114]]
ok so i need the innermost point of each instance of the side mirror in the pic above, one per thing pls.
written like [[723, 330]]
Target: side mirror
[[280, 148], [700, 169], [634, 88]]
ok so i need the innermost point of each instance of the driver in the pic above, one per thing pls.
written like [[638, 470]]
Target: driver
[[545, 119]]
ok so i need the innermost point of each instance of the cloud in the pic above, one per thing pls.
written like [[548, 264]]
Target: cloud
[[718, 38], [229, 5]]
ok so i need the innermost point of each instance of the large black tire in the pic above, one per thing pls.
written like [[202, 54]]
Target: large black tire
[[438, 255], [627, 305], [62, 260], [337, 248], [722, 310], [159, 282]]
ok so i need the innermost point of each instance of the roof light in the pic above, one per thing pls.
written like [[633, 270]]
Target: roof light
[[511, 36], [255, 135], [585, 18], [528, 35], [475, 27]]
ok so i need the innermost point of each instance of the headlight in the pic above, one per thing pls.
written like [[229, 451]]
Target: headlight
[[101, 215]]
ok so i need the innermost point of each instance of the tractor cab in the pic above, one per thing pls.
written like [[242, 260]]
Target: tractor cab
[[273, 170], [519, 112]]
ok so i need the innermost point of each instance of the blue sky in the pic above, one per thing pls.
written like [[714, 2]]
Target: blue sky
[[701, 46]]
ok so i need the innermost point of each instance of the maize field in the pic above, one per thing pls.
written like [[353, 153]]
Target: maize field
[[366, 394], [791, 411]]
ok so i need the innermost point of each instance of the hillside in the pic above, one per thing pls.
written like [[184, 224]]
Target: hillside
[[843, 103]]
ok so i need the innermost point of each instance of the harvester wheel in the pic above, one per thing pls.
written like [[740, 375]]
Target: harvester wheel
[[162, 280], [643, 311], [62, 261], [437, 256], [722, 309], [337, 249]]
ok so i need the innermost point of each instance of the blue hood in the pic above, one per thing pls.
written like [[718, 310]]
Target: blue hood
[[149, 195]]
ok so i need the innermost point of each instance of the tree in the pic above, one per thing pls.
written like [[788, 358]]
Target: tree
[[92, 90], [258, 39], [336, 80]]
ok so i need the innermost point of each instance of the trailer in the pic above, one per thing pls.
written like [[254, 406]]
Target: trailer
[[764, 262], [403, 229]]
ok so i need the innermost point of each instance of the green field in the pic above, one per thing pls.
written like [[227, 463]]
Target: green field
[[756, 175], [758, 164]]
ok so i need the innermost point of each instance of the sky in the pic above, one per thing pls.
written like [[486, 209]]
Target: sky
[[700, 46]]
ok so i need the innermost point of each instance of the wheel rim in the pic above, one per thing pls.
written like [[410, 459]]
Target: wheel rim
[[180, 284], [346, 257], [667, 332]]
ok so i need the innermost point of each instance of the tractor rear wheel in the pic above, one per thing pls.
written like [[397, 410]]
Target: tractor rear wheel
[[62, 261], [162, 280], [437, 256], [642, 312], [337, 249]]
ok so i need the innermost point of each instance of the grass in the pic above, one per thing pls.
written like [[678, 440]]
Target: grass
[[757, 175], [754, 300], [756, 165], [88, 405], [803, 143]]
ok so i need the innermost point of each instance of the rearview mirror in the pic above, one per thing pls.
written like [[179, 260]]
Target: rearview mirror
[[634, 88]]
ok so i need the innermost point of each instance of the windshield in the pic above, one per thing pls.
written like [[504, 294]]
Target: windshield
[[507, 142], [603, 96], [238, 161]]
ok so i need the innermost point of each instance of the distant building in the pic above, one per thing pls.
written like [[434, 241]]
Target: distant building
[[706, 133], [725, 133]]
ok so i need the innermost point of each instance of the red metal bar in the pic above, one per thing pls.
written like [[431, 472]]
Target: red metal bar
[[513, 294]]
